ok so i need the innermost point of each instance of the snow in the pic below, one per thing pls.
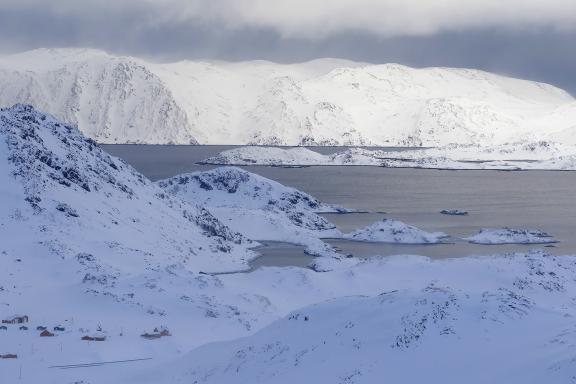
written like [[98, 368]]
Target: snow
[[111, 99], [89, 244], [394, 231], [63, 186], [406, 319], [257, 207], [540, 155], [116, 99], [510, 236]]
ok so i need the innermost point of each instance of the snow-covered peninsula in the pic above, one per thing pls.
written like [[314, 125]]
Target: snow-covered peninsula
[[511, 156]]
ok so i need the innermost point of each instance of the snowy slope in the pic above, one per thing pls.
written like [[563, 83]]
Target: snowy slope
[[474, 320], [257, 207], [68, 188], [88, 243], [322, 102]]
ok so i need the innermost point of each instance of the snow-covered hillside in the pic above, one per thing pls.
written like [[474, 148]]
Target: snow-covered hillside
[[322, 102], [89, 247], [408, 320], [257, 207], [74, 198]]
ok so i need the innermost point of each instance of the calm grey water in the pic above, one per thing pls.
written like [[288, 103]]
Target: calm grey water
[[536, 199]]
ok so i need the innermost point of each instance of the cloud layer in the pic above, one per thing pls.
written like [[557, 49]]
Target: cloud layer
[[314, 19], [525, 38], [317, 19]]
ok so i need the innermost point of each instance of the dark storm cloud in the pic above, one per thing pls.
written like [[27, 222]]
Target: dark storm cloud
[[527, 45]]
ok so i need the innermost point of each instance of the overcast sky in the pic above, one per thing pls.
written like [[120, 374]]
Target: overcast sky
[[532, 39]]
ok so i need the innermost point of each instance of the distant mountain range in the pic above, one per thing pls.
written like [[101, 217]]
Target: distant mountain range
[[115, 99]]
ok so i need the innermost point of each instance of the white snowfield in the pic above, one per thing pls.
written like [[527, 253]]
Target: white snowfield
[[322, 102], [91, 248], [542, 155], [501, 319], [257, 207], [510, 236], [394, 231]]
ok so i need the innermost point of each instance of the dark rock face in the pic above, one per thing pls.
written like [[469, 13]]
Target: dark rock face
[[65, 208], [35, 156]]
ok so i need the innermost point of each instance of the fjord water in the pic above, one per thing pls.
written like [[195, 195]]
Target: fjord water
[[525, 199]]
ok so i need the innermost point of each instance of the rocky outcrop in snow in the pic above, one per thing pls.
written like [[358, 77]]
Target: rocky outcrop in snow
[[259, 208], [454, 212], [322, 102], [510, 236], [394, 231]]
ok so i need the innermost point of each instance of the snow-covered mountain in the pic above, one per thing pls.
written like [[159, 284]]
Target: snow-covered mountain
[[322, 102], [111, 99]]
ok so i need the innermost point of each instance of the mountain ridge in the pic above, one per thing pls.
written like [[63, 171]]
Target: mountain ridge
[[122, 99]]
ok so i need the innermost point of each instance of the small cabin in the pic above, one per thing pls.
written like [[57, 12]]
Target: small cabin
[[23, 328], [163, 331], [40, 328], [3, 328], [59, 328], [87, 338], [46, 333], [17, 319]]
